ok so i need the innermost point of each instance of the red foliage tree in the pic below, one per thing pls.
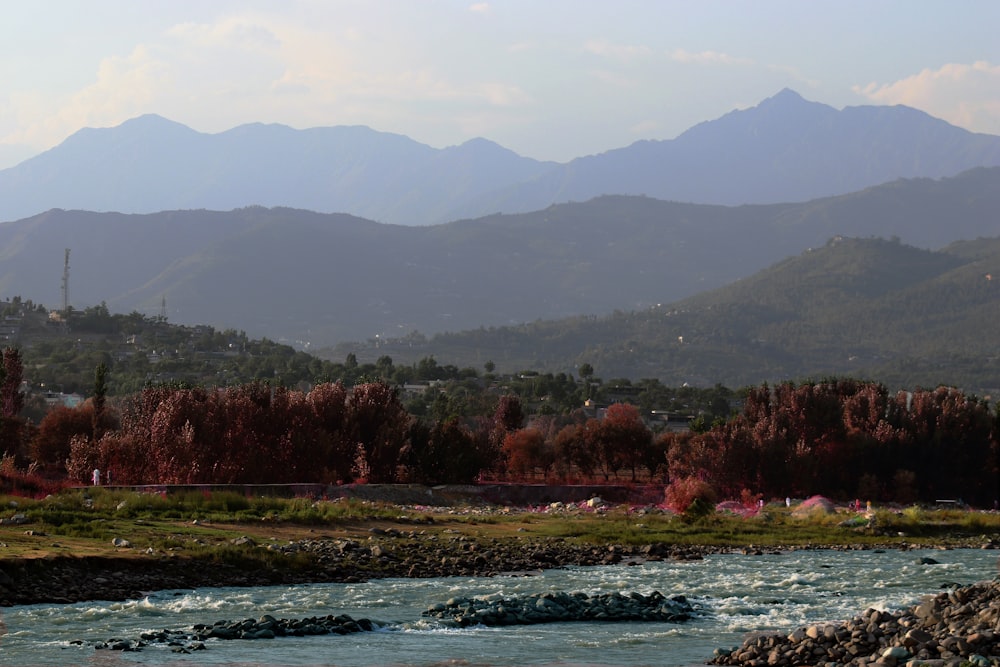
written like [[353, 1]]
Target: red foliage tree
[[50, 448], [524, 451], [624, 440], [11, 402], [950, 439], [575, 450], [331, 448], [507, 418], [377, 424], [683, 493]]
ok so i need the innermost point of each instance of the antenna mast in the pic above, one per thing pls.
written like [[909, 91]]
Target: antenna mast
[[65, 283]]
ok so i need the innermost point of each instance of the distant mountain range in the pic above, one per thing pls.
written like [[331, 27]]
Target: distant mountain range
[[786, 149], [865, 308], [326, 278]]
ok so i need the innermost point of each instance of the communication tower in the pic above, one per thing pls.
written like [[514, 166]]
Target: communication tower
[[65, 283]]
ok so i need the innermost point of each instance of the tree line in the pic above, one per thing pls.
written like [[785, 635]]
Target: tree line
[[839, 437]]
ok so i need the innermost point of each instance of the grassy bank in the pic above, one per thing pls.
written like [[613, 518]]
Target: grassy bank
[[86, 522]]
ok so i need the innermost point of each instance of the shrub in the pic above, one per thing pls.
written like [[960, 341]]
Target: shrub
[[682, 493], [750, 500], [28, 485]]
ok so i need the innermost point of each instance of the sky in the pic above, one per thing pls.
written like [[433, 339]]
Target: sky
[[548, 79]]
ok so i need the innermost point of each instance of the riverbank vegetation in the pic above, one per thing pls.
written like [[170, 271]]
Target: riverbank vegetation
[[223, 525], [843, 439]]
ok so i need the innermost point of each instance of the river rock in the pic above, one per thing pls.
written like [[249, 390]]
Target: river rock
[[495, 610], [957, 627], [266, 627]]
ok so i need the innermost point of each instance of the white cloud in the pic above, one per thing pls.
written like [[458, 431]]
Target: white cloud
[[240, 32], [624, 52], [645, 128], [124, 87], [962, 94], [480, 8], [707, 58], [505, 95]]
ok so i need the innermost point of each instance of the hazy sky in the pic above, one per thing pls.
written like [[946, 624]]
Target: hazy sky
[[550, 79]]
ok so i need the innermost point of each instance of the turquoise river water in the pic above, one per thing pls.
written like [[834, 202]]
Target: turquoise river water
[[735, 594]]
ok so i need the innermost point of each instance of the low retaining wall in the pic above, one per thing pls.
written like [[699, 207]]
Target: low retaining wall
[[517, 495]]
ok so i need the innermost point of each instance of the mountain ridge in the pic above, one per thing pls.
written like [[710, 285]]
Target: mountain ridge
[[763, 154]]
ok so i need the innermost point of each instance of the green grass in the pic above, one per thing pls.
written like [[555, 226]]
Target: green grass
[[203, 525], [83, 505], [773, 528]]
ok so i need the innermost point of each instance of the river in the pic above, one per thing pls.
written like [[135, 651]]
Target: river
[[735, 594]]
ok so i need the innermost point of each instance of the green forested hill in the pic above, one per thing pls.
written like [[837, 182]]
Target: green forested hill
[[869, 308], [321, 279]]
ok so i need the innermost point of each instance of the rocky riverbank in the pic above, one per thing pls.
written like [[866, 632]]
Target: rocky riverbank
[[958, 627], [384, 554]]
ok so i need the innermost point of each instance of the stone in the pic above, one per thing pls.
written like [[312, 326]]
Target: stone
[[896, 653], [916, 637], [947, 630], [121, 543], [561, 607]]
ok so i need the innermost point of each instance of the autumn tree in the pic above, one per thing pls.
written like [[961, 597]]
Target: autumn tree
[[377, 425], [507, 418], [332, 452], [623, 439], [11, 403], [948, 444], [574, 451], [524, 451], [50, 448]]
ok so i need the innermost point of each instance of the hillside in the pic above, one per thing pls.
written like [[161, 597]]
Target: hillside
[[321, 279], [867, 308], [61, 353], [764, 154]]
